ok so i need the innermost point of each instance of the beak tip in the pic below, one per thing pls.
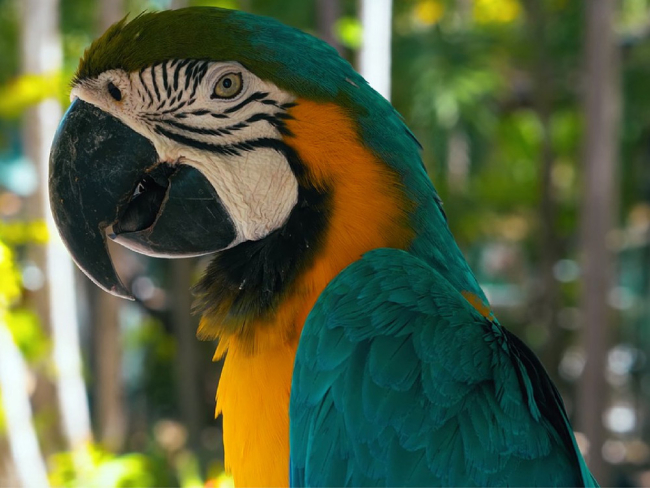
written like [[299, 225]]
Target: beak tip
[[121, 292]]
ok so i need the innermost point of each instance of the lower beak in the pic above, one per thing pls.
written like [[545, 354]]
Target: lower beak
[[105, 177]]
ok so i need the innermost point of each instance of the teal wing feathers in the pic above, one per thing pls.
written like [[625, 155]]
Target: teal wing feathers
[[399, 381]]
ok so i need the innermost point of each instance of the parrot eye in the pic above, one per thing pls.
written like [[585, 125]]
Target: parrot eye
[[228, 86], [114, 91]]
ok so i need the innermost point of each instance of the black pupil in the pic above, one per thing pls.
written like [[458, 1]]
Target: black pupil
[[114, 91], [227, 83]]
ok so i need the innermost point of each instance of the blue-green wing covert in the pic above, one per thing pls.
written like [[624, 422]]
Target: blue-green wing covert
[[399, 381]]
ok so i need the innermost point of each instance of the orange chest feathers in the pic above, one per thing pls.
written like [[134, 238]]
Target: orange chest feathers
[[368, 211]]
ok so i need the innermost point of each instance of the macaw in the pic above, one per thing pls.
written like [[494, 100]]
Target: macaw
[[359, 348]]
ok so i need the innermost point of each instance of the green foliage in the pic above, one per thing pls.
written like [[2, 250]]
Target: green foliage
[[296, 13], [8, 40], [22, 324], [509, 180], [27, 90], [474, 74], [151, 334], [20, 233], [9, 280], [156, 352], [189, 470], [228, 4], [28, 334], [95, 467], [349, 32], [102, 469]]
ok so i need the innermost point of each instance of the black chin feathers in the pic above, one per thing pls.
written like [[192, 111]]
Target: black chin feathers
[[246, 284]]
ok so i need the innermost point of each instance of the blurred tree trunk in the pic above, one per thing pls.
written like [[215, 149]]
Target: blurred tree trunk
[[44, 396], [23, 441], [547, 301], [42, 53], [375, 53], [599, 210], [108, 392], [110, 11], [187, 370], [105, 322], [328, 12], [8, 473], [458, 160]]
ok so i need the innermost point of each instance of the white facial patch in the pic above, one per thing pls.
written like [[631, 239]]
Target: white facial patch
[[235, 142]]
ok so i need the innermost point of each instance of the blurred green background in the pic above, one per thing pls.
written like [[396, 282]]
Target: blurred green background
[[496, 92]]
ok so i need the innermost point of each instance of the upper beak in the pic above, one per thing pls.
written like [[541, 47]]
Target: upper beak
[[104, 176]]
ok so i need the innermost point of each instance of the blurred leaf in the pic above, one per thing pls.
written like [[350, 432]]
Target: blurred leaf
[[429, 12], [28, 334], [229, 4], [496, 11], [103, 469], [9, 278], [19, 233], [566, 132], [223, 480], [128, 470], [30, 89], [189, 470], [9, 36], [349, 32]]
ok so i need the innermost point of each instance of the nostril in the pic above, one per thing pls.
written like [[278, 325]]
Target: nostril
[[142, 210], [146, 200], [143, 207]]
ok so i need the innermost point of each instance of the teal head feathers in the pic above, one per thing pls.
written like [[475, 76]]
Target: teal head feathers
[[157, 74]]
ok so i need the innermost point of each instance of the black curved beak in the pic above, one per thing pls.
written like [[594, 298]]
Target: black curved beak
[[106, 177]]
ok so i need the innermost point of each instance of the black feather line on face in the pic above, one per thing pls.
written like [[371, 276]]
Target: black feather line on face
[[154, 82], [276, 120], [188, 72], [252, 278], [146, 88], [253, 98], [165, 82], [177, 71]]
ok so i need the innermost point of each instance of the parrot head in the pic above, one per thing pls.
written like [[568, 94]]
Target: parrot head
[[204, 130]]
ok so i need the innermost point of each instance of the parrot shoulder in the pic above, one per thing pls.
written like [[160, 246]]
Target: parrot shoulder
[[400, 381]]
